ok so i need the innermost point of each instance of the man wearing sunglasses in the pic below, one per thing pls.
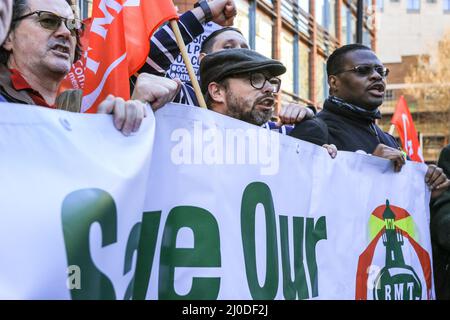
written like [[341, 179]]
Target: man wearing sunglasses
[[357, 81], [242, 84], [38, 53]]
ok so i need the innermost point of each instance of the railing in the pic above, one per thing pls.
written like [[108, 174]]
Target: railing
[[294, 15]]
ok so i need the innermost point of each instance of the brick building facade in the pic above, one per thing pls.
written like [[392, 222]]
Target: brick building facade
[[407, 29]]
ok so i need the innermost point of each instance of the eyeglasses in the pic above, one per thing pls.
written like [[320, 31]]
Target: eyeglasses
[[258, 81], [367, 69], [51, 21]]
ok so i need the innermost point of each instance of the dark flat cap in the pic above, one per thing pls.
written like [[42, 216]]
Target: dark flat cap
[[220, 65]]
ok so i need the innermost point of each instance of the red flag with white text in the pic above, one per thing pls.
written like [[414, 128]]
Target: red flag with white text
[[119, 45], [403, 121]]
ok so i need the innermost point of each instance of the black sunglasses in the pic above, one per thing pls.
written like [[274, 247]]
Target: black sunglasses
[[367, 69], [51, 21]]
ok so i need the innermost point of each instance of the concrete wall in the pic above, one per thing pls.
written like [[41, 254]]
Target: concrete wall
[[403, 34]]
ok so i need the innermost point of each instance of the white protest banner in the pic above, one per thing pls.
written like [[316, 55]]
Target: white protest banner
[[72, 193], [246, 213], [231, 211]]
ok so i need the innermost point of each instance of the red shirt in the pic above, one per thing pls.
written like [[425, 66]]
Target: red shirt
[[19, 83]]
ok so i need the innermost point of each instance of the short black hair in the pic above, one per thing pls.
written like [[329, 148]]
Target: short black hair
[[208, 43], [18, 10], [336, 59]]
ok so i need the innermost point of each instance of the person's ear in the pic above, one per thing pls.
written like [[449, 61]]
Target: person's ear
[[216, 92], [7, 45], [333, 82], [201, 56]]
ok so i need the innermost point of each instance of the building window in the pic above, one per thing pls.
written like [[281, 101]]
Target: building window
[[241, 21], [332, 17], [326, 15], [344, 25], [263, 43], [380, 5], [431, 1], [287, 58], [320, 13], [446, 4], [348, 29], [352, 33], [85, 8], [412, 6], [304, 4], [322, 83], [389, 95], [303, 71]]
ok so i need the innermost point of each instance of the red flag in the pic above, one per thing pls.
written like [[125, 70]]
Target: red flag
[[75, 78], [119, 45], [402, 119]]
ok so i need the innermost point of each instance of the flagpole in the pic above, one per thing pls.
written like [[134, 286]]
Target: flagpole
[[187, 62]]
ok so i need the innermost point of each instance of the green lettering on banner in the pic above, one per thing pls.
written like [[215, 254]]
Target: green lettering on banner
[[254, 194], [146, 253], [299, 285], [80, 210], [132, 247], [314, 233], [205, 253]]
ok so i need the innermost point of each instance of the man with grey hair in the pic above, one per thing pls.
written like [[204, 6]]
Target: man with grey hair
[[42, 44]]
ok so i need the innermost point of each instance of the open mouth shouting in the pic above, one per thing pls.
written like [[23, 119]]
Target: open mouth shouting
[[377, 89]]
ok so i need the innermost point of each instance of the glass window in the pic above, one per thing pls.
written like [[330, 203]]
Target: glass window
[[264, 26], [320, 13], [446, 4], [344, 25], [348, 30], [304, 4], [413, 5], [241, 21], [366, 38], [352, 33], [304, 70], [287, 57], [332, 17], [85, 8], [322, 83], [380, 5], [389, 96]]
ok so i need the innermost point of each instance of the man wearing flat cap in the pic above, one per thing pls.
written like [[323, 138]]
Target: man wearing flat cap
[[242, 84]]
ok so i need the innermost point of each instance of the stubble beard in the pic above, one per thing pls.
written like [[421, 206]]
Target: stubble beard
[[245, 110]]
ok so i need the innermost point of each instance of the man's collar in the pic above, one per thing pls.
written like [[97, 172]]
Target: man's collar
[[18, 81], [340, 106]]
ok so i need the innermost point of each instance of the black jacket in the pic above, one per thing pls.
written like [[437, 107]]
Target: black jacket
[[440, 234], [353, 130], [311, 130]]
